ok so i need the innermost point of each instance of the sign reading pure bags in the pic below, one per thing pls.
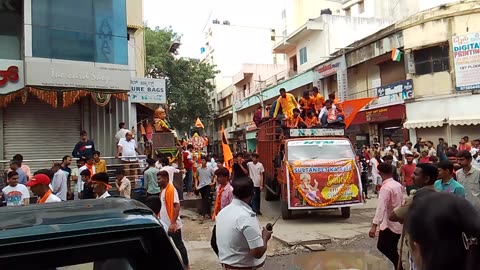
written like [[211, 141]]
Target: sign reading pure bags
[[466, 58], [76, 74], [336, 67], [146, 90]]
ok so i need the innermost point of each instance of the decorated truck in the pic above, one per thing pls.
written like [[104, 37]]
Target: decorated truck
[[309, 169]]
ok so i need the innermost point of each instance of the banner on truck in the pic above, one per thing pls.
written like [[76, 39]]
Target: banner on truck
[[323, 183]]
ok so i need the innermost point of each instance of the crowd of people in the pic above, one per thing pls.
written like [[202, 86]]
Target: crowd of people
[[438, 217]]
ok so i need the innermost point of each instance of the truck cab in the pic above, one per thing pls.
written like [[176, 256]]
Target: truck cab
[[310, 169]]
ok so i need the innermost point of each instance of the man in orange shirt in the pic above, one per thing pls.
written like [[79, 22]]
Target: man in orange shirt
[[295, 121], [316, 100], [311, 120], [305, 103], [288, 102], [335, 101]]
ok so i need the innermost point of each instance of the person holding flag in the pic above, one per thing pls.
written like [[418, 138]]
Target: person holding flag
[[227, 152]]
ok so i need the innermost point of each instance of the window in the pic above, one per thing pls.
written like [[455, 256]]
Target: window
[[303, 55], [88, 30], [431, 60], [11, 20], [361, 7]]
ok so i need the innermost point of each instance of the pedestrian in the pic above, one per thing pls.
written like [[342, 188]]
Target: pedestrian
[[59, 182], [169, 168], [287, 102], [242, 243], [15, 194], [469, 178], [256, 171], [441, 150], [66, 161], [443, 232], [203, 183], [389, 160], [84, 147], [224, 197], [89, 165], [25, 168], [418, 145], [390, 197], [76, 179], [15, 166], [239, 168], [424, 157], [123, 183], [406, 173], [170, 214], [377, 179], [150, 179], [188, 165], [122, 132], [100, 164], [127, 148], [100, 185], [431, 150], [464, 145], [87, 190], [446, 183], [40, 187]]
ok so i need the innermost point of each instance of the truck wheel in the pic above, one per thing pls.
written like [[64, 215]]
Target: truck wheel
[[345, 212], [286, 213]]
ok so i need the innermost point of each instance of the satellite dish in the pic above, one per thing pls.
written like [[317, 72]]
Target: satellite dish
[[238, 104]]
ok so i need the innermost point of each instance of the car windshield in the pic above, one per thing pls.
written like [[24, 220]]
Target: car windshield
[[320, 149]]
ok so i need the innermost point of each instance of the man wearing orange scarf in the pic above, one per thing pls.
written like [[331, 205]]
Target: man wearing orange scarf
[[170, 213], [89, 165], [40, 186], [224, 197]]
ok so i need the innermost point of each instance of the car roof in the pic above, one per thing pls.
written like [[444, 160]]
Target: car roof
[[74, 218]]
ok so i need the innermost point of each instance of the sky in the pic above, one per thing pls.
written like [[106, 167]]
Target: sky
[[190, 17]]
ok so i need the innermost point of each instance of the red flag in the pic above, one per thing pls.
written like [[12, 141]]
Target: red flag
[[227, 152], [352, 107]]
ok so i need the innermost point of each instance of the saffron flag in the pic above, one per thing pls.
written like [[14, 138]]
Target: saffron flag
[[199, 124], [352, 107], [227, 152]]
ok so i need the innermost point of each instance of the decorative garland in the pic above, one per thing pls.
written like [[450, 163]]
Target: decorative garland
[[340, 193]]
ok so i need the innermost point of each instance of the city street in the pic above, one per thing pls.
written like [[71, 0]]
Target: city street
[[349, 247]]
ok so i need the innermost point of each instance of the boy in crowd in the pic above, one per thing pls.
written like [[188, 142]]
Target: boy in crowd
[[87, 192], [123, 183], [100, 185], [100, 164], [15, 194]]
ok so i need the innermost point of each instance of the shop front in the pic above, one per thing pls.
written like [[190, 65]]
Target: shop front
[[239, 140], [380, 123], [251, 136]]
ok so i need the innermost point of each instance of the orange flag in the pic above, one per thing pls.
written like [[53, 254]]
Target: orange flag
[[199, 124], [227, 153], [352, 107]]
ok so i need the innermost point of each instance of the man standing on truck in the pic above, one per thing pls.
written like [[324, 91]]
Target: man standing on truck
[[256, 170], [239, 168], [287, 101]]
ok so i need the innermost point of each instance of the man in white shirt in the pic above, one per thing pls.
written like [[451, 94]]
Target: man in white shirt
[[128, 149], [241, 242], [40, 186], [122, 132], [255, 171], [59, 182], [15, 194], [100, 185], [170, 169]]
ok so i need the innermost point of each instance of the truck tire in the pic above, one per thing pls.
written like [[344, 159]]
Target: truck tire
[[286, 213], [269, 196], [345, 212]]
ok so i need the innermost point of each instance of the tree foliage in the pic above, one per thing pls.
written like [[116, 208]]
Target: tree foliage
[[188, 80]]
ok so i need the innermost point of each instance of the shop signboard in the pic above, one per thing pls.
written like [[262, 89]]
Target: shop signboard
[[394, 92], [76, 74], [11, 76], [466, 56], [147, 90], [336, 67]]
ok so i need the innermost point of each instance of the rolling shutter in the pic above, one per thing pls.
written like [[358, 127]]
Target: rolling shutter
[[38, 131]]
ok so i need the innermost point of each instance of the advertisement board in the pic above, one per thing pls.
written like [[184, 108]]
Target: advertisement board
[[466, 59], [336, 67], [324, 182], [76, 74], [11, 76], [147, 90], [394, 92]]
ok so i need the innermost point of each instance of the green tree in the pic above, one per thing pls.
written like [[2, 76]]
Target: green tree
[[188, 80]]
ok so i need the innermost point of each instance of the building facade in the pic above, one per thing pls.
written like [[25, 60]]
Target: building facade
[[69, 70]]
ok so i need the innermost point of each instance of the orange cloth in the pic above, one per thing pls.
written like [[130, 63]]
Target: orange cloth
[[305, 103], [227, 152], [45, 196], [293, 122], [90, 168], [218, 202], [352, 107], [169, 201], [317, 102], [148, 129], [288, 104], [142, 130], [310, 122], [338, 104]]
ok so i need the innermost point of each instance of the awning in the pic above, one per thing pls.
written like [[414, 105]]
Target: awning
[[424, 123], [464, 121]]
